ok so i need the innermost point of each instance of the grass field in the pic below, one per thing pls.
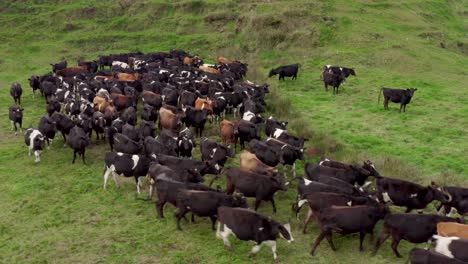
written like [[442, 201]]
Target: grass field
[[57, 212]]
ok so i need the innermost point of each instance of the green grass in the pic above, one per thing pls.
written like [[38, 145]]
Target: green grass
[[57, 212]]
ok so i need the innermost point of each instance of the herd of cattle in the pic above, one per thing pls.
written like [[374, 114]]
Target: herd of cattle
[[178, 94]]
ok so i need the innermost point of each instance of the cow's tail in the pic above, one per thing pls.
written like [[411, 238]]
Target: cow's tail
[[380, 92]]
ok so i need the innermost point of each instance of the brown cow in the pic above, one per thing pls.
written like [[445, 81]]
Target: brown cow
[[123, 101], [249, 161], [195, 61], [100, 103], [72, 71], [448, 229], [207, 104], [104, 77], [209, 69], [169, 119], [110, 114], [228, 132], [222, 60], [153, 99], [127, 76]]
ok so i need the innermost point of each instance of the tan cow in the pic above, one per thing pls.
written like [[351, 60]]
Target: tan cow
[[169, 119], [222, 60], [449, 229], [127, 76], [209, 69], [100, 103], [249, 161], [229, 132]]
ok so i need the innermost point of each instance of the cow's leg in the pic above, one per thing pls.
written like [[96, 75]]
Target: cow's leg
[[408, 210], [179, 215], [30, 151], [294, 169], [139, 183], [114, 177], [213, 221], [384, 236], [386, 103], [307, 220], [272, 200], [255, 249], [401, 107], [362, 235], [328, 236], [13, 125], [395, 242], [317, 242], [257, 203], [74, 157], [272, 245], [159, 207], [106, 176], [225, 236], [83, 156]]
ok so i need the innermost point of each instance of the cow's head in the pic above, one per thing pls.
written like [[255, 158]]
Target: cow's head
[[369, 166], [410, 92], [285, 231], [439, 193], [194, 175], [272, 72]]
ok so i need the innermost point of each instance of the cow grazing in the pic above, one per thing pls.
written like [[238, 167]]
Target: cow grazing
[[124, 144], [16, 91], [35, 142], [408, 194], [333, 79], [15, 114], [78, 140], [126, 165], [248, 225], [459, 201], [348, 220], [422, 256], [285, 71], [452, 247], [401, 96], [415, 228], [271, 124], [205, 203], [249, 161], [229, 132], [261, 187], [59, 66], [452, 230]]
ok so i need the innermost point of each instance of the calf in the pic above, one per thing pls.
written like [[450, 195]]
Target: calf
[[285, 71], [205, 203], [15, 114], [272, 124], [78, 140], [452, 247], [408, 194], [415, 228], [248, 225], [262, 187], [422, 256], [125, 145], [452, 230], [229, 132], [16, 91], [126, 165], [249, 161], [35, 142], [458, 202], [401, 96], [348, 220]]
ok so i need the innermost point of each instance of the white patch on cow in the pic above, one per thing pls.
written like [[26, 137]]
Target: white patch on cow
[[307, 182], [341, 69], [328, 66], [32, 136], [272, 245], [386, 197], [213, 151], [217, 167], [248, 116], [180, 143], [366, 184], [120, 154], [288, 228], [260, 228], [278, 133], [443, 244], [222, 98], [135, 159], [301, 203], [285, 145], [224, 235], [37, 154], [414, 195], [350, 203], [208, 65], [452, 211], [163, 71]]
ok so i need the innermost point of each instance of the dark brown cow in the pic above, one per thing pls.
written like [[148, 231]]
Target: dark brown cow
[[71, 71], [228, 132], [401, 96]]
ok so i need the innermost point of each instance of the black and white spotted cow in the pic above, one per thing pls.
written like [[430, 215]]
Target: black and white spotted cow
[[452, 247], [126, 165], [35, 141]]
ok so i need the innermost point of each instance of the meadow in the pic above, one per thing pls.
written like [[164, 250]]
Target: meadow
[[56, 212]]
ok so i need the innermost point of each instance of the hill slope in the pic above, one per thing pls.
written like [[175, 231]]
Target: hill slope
[[58, 212]]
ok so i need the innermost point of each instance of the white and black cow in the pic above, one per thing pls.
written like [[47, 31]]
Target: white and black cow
[[422, 256], [126, 165], [248, 225], [15, 114], [452, 247], [271, 124], [287, 137], [35, 141]]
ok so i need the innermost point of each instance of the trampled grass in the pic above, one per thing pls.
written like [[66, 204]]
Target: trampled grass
[[58, 212]]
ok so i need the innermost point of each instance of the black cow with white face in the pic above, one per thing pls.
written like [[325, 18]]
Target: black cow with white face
[[126, 165], [402, 96], [15, 114], [35, 142], [248, 225]]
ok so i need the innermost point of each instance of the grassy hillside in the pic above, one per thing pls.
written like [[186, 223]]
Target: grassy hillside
[[58, 212]]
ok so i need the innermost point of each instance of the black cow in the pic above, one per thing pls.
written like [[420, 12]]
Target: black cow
[[287, 137], [64, 124], [53, 106], [129, 115], [422, 256], [187, 99], [205, 203], [35, 142], [196, 118], [126, 165], [285, 71], [48, 128], [78, 140], [59, 66], [86, 123], [458, 202], [211, 150], [92, 66], [147, 128], [251, 184], [333, 79], [401, 96], [203, 167], [99, 124], [265, 153], [348, 220], [272, 124], [354, 175], [306, 186], [124, 144], [452, 247], [149, 113], [131, 132], [189, 175], [34, 82], [408, 194], [288, 154], [114, 128], [15, 114], [16, 91], [338, 70], [415, 228], [247, 131], [248, 225], [152, 146], [336, 182], [48, 88], [169, 140]]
